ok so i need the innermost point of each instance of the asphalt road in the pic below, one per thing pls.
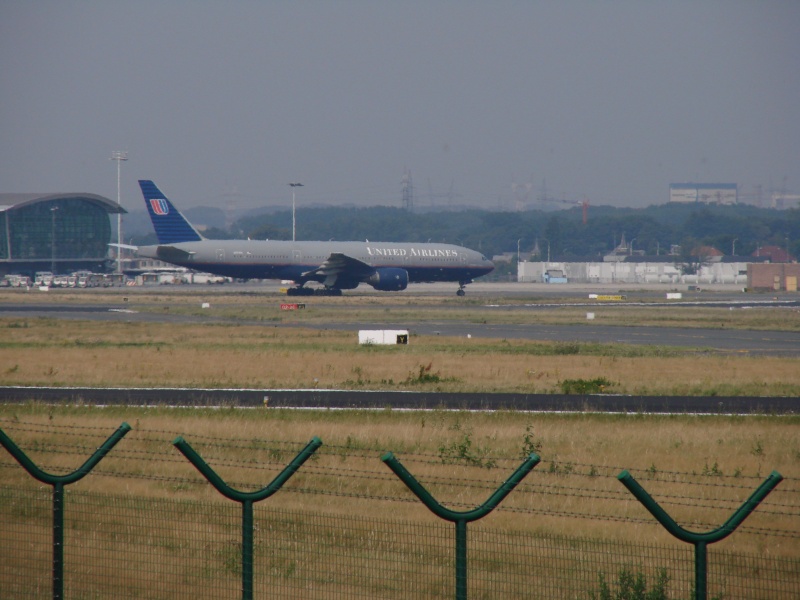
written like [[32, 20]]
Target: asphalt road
[[379, 400], [760, 343]]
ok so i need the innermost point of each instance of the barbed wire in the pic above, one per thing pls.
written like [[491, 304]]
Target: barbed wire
[[408, 498], [171, 456], [568, 470]]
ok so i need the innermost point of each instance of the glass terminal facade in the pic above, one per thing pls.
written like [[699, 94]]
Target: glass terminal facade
[[61, 233]]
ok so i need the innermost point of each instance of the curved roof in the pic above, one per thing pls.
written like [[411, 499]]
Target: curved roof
[[14, 201]]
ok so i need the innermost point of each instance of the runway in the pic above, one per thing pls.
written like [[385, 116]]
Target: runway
[[714, 340]]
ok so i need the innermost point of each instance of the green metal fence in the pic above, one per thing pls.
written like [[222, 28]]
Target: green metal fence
[[123, 547], [144, 524]]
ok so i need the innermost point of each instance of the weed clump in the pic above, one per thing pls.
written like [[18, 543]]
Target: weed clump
[[425, 375], [633, 586], [530, 445], [598, 385]]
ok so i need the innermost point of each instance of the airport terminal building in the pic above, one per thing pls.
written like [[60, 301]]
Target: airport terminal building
[[61, 233]]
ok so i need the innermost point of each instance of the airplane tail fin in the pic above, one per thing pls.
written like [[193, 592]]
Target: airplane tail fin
[[170, 225]]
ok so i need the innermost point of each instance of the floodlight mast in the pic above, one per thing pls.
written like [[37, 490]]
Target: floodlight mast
[[294, 185], [119, 156], [53, 240]]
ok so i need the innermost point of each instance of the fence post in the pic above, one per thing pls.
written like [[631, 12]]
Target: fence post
[[58, 482], [460, 518], [700, 540], [246, 499]]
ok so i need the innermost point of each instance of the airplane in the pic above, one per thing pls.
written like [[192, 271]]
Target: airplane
[[337, 266]]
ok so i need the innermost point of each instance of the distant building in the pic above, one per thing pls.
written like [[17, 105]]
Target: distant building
[[774, 254], [653, 269], [62, 233], [708, 253], [505, 257], [782, 200], [773, 277], [704, 193], [622, 252]]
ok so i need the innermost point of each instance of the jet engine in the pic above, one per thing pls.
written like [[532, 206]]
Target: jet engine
[[389, 279]]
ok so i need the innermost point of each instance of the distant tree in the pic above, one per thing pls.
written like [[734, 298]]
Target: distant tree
[[552, 233], [215, 233], [692, 257], [653, 229], [269, 232]]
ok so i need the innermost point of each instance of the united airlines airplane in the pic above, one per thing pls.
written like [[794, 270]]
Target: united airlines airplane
[[337, 266]]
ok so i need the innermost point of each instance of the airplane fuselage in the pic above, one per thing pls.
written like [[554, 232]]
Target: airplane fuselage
[[253, 259]]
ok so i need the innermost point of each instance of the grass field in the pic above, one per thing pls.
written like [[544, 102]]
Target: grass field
[[700, 468], [50, 352]]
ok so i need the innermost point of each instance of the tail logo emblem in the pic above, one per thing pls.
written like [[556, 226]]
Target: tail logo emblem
[[159, 206]]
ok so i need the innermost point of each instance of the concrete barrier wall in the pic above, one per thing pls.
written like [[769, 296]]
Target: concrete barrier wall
[[633, 272]]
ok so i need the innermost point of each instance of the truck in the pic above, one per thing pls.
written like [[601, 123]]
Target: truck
[[43, 278]]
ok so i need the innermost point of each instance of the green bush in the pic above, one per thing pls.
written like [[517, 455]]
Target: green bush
[[597, 385], [633, 586]]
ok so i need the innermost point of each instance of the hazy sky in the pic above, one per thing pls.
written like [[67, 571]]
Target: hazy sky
[[609, 99]]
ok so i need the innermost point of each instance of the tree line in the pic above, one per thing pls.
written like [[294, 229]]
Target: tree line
[[733, 230]]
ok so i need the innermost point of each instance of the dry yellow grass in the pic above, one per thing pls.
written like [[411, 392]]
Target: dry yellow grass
[[119, 354], [700, 468]]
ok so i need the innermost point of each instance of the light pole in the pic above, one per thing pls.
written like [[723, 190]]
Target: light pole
[[733, 249], [119, 156], [548, 250], [293, 186], [53, 240]]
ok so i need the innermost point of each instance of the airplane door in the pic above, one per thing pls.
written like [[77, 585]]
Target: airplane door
[[298, 256], [220, 253]]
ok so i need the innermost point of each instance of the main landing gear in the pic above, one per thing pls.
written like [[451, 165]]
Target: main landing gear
[[461, 291]]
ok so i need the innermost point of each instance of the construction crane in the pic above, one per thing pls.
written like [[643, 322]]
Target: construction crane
[[584, 204]]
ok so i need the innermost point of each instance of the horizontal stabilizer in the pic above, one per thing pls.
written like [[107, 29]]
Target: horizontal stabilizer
[[124, 246]]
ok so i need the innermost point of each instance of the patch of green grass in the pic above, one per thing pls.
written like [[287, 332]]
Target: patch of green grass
[[598, 385], [632, 586]]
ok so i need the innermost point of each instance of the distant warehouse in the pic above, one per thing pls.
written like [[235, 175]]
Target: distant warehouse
[[704, 193], [55, 232]]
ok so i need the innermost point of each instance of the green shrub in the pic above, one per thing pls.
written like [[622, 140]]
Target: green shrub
[[597, 385], [633, 586]]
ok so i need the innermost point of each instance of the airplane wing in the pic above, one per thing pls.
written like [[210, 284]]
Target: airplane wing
[[337, 266]]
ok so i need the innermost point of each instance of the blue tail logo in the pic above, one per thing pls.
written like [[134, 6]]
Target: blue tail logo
[[159, 206], [170, 225]]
